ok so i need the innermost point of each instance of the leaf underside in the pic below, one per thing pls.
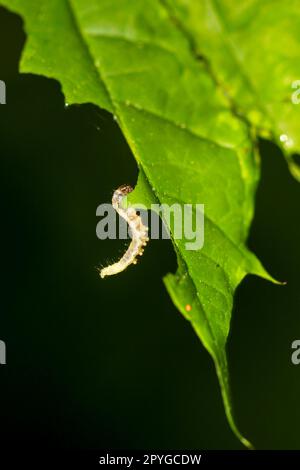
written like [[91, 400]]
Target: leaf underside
[[172, 74]]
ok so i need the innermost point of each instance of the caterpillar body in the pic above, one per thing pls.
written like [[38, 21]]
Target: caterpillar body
[[138, 229]]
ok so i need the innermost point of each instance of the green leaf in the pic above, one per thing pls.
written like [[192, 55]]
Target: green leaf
[[132, 58], [252, 49]]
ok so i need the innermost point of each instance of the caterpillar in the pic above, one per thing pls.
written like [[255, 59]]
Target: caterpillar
[[138, 229]]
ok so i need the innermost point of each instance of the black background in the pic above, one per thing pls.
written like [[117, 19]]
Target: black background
[[112, 364]]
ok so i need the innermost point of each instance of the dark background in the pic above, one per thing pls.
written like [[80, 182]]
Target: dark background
[[96, 364]]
